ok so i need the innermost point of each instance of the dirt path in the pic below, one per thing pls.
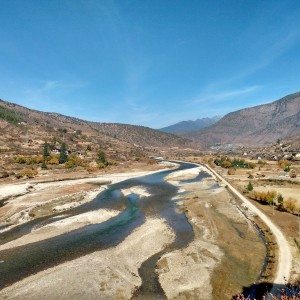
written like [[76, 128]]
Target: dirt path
[[285, 256]]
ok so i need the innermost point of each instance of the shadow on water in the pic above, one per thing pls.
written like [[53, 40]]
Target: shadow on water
[[25, 260], [258, 291]]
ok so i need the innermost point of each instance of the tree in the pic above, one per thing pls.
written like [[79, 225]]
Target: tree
[[280, 202], [44, 166], [249, 187], [101, 158], [46, 150], [63, 156]]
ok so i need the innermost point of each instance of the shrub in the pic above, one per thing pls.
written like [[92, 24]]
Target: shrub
[[101, 165], [20, 159], [29, 173], [101, 159], [284, 165], [231, 171], [249, 187], [264, 197], [53, 160], [73, 161], [262, 162], [226, 162], [29, 160], [293, 174], [291, 205]]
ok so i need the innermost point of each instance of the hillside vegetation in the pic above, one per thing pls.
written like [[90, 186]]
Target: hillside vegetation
[[24, 132]]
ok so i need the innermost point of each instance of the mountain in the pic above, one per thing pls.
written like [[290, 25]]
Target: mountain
[[188, 126], [255, 126], [24, 131]]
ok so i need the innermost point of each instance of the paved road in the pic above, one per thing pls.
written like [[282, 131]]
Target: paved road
[[284, 255]]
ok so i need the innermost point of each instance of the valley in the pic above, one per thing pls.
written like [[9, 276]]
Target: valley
[[128, 212]]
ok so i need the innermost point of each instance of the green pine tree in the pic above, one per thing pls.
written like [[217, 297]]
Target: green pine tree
[[101, 158], [63, 156], [280, 202], [46, 150]]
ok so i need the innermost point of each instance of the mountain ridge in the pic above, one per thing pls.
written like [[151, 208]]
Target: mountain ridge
[[24, 130], [257, 125], [190, 125]]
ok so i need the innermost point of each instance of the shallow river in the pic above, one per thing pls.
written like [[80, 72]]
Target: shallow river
[[23, 261]]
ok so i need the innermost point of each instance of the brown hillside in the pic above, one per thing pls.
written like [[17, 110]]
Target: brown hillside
[[24, 131], [259, 125]]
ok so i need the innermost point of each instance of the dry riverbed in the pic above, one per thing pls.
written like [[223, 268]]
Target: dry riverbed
[[225, 255]]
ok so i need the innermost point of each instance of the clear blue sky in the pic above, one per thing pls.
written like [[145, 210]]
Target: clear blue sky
[[150, 62]]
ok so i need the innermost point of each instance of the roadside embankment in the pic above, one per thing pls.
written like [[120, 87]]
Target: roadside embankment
[[284, 251]]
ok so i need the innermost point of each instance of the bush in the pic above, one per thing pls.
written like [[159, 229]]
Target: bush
[[262, 162], [101, 165], [291, 205], [101, 159], [231, 171], [29, 160], [53, 160], [264, 197], [284, 165], [226, 162], [249, 187], [28, 173], [293, 174], [73, 161], [20, 159]]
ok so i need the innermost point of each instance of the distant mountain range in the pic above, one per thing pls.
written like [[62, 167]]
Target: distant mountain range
[[259, 125], [188, 126]]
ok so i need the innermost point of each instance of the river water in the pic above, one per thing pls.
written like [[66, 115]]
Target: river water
[[23, 261]]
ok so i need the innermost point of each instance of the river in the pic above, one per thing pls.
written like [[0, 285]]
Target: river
[[23, 261]]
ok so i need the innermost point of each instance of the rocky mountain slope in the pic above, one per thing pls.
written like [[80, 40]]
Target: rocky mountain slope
[[259, 125], [188, 126], [24, 131]]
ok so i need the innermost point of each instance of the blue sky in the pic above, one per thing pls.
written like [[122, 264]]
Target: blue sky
[[150, 62]]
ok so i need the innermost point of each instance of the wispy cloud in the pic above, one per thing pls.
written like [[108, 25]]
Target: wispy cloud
[[214, 97]]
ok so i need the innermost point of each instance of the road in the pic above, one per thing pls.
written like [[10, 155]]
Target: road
[[284, 251]]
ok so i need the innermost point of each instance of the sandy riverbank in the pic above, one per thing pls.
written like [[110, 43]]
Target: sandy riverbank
[[61, 226], [222, 235], [28, 201], [109, 274]]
